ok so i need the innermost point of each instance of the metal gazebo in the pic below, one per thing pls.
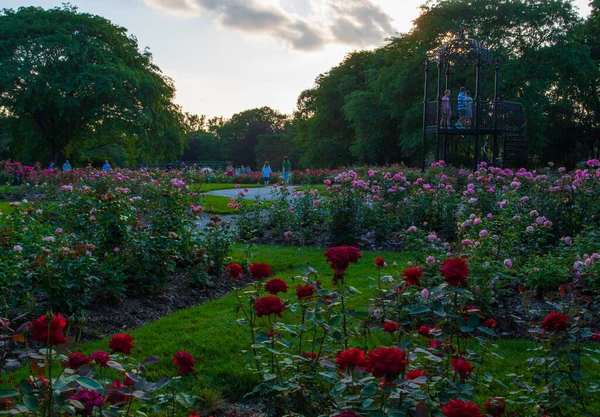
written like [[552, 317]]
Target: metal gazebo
[[500, 124]]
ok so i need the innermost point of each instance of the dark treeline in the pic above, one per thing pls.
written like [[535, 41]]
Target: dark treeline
[[368, 109]]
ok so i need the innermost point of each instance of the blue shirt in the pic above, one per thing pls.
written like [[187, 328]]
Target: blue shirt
[[106, 167], [461, 101], [266, 171], [66, 167]]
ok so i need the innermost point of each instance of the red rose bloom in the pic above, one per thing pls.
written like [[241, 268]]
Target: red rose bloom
[[455, 271], [556, 322], [49, 331], [463, 367], [459, 408], [121, 343], [234, 271], [424, 331], [350, 358], [489, 323], [436, 344], [77, 360], [194, 414], [341, 257], [386, 362], [115, 397], [265, 306], [379, 262], [412, 276], [309, 355], [347, 413], [468, 310], [414, 374], [596, 336], [390, 327], [101, 358], [304, 292], [276, 285], [260, 270], [185, 362], [89, 399], [495, 407]]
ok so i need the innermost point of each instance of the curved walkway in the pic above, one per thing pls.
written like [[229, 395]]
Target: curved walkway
[[262, 193]]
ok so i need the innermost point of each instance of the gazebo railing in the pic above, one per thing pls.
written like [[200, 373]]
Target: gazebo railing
[[509, 116]]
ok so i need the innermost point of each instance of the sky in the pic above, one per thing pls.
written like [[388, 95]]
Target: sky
[[227, 56]]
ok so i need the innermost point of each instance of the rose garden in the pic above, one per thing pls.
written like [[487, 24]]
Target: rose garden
[[374, 291]]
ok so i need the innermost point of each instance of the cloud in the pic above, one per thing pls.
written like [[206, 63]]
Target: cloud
[[355, 22], [360, 22]]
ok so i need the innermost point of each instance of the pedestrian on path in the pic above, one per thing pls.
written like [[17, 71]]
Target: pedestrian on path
[[266, 171], [287, 170]]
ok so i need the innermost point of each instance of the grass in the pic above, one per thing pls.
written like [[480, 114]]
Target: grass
[[320, 187], [217, 202], [205, 187], [5, 207], [220, 363]]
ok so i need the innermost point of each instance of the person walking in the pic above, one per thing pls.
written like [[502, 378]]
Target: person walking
[[266, 171], [106, 166], [469, 107], [462, 110], [229, 170], [66, 166], [446, 110], [287, 170]]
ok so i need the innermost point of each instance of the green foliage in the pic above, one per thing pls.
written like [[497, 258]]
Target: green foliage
[[74, 85]]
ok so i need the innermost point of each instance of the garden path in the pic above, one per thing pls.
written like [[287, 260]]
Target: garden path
[[263, 193]]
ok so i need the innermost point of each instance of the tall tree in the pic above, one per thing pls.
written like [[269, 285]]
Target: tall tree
[[84, 85]]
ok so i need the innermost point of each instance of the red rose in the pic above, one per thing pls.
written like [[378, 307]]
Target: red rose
[[185, 362], [455, 271], [379, 262], [424, 331], [234, 271], [436, 344], [347, 413], [522, 288], [386, 362], [556, 322], [304, 292], [495, 406], [463, 367], [414, 374], [596, 336], [412, 276], [350, 358], [468, 310], [77, 360], [101, 358], [260, 270], [459, 408], [309, 355], [489, 323], [265, 306], [115, 396], [194, 414], [121, 343], [341, 257], [390, 327], [49, 330], [276, 285]]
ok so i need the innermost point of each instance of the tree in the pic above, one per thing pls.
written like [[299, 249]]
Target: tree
[[83, 85]]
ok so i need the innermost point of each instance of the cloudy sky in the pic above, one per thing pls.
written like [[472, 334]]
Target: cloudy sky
[[228, 56]]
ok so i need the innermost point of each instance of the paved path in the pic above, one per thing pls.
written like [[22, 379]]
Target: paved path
[[263, 193]]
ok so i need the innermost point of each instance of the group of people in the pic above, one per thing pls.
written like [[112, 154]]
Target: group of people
[[286, 169], [230, 171], [464, 107], [266, 170], [67, 166]]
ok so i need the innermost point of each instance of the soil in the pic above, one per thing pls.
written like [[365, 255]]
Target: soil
[[107, 318]]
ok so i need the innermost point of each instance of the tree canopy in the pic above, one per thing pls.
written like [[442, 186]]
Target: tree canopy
[[75, 85]]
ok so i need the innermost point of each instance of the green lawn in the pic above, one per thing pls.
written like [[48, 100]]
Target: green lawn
[[5, 207], [203, 331], [218, 203], [320, 187]]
